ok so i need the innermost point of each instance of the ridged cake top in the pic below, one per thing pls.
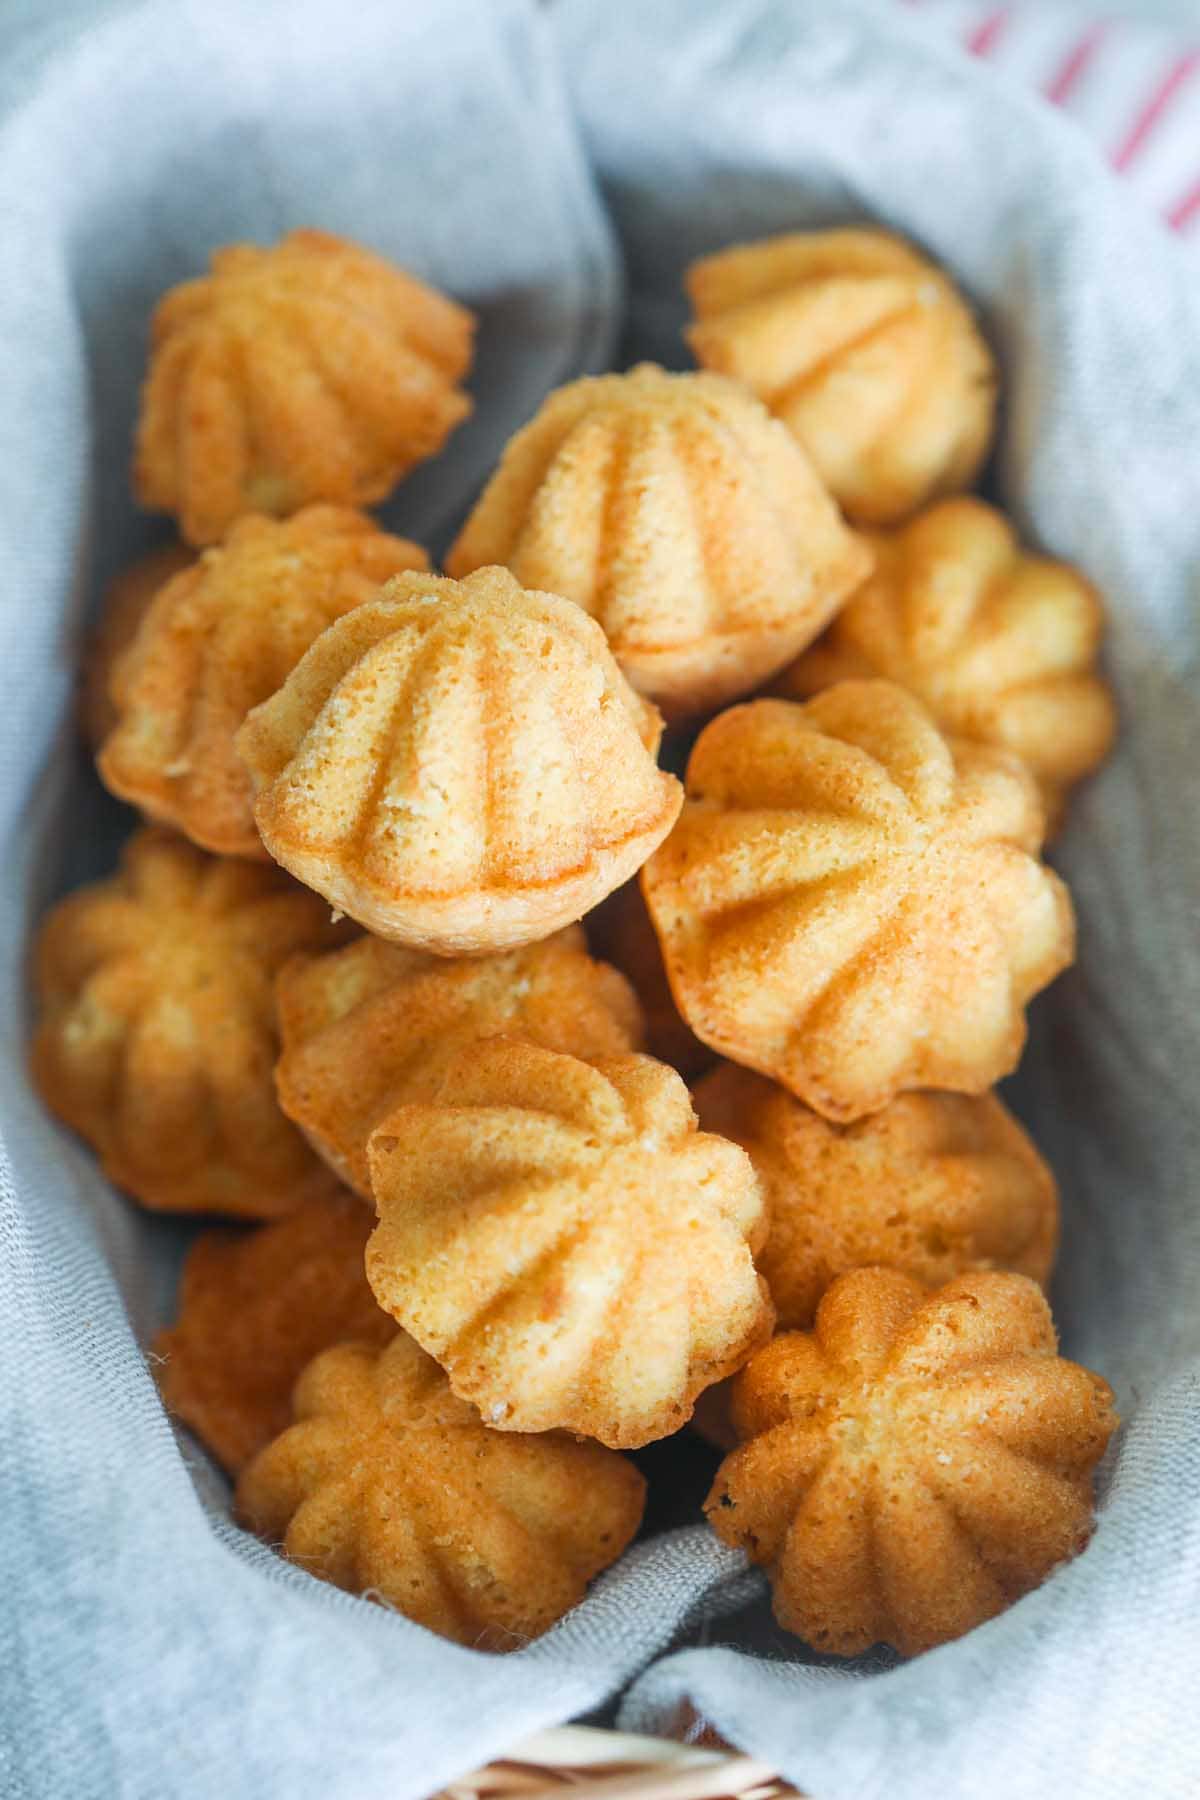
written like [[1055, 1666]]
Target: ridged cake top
[[915, 1463], [852, 904], [460, 766], [864, 349], [566, 1243], [157, 1035], [678, 513], [389, 1485], [310, 370]]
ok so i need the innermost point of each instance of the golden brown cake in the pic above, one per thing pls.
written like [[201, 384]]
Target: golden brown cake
[[565, 1242], [254, 1307], [367, 1028], [866, 352], [460, 766], [156, 1037], [310, 370], [389, 1486], [220, 638], [678, 513], [852, 904], [935, 1185], [915, 1464], [125, 604], [620, 931], [1000, 645]]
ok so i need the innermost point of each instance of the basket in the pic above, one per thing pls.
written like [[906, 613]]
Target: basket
[[594, 1764], [819, 85]]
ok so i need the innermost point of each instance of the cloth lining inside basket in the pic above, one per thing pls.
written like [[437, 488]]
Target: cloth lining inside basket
[[444, 134]]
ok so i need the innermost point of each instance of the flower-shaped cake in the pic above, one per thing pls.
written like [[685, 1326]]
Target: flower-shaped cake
[[913, 1465], [388, 1485], [369, 1027], [460, 766], [678, 513], [852, 904], [255, 1307], [156, 1039], [565, 1242], [999, 644], [310, 370], [865, 350], [220, 638], [935, 1185]]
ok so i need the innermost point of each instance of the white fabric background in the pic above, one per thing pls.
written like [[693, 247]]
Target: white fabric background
[[147, 1647]]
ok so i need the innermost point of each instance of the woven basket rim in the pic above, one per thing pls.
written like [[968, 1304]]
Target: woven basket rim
[[596, 1763]]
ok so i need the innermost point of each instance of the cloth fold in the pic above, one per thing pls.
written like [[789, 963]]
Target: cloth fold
[[149, 1646]]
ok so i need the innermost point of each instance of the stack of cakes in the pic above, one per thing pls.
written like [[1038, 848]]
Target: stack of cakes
[[340, 985]]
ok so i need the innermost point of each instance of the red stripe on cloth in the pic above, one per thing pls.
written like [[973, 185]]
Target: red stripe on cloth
[[1155, 107], [1070, 71], [987, 34], [1180, 216]]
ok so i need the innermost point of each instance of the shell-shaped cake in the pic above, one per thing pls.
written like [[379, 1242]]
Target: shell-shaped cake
[[369, 1027], [389, 1486], [308, 370], [852, 904], [125, 604], [866, 352], [156, 1037], [218, 640], [460, 766], [935, 1185], [914, 1464], [679, 514], [620, 931], [999, 644], [255, 1307], [565, 1242]]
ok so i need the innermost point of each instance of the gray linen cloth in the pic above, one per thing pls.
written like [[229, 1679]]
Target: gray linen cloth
[[149, 1648]]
